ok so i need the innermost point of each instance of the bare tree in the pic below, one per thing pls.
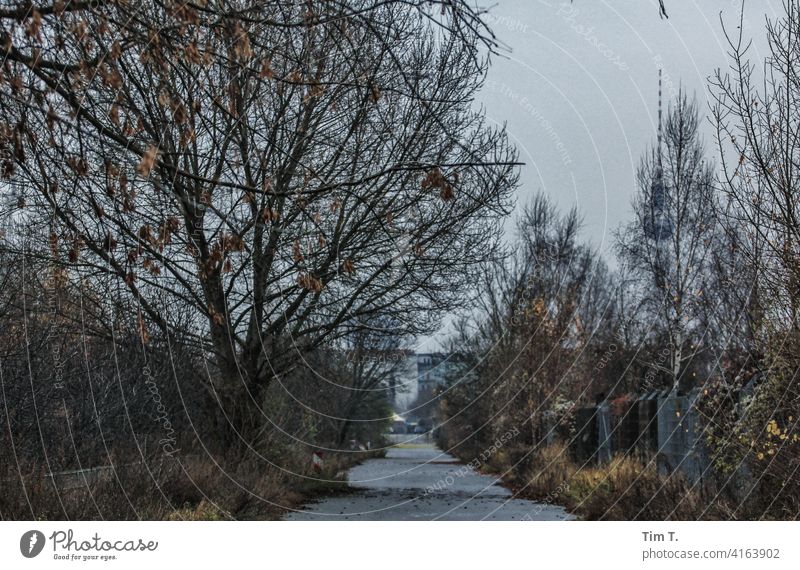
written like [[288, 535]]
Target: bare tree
[[758, 133], [756, 112], [284, 169], [666, 245], [528, 343], [371, 365]]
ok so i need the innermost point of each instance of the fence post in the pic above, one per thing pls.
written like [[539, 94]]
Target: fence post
[[603, 432]]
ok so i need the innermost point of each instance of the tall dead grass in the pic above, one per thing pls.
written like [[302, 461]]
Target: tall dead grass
[[184, 487], [625, 488]]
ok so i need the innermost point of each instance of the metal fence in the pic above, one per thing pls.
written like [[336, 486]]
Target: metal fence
[[659, 425]]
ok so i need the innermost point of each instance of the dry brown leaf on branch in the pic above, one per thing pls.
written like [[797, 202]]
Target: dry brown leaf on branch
[[142, 328], [297, 251], [266, 69], [148, 161], [375, 93], [309, 282]]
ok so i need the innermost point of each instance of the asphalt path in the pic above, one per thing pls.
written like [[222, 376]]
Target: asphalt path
[[421, 482]]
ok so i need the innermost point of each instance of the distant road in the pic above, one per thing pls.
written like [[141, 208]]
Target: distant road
[[420, 482], [409, 437]]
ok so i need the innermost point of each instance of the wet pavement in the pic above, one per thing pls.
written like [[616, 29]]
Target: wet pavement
[[420, 482]]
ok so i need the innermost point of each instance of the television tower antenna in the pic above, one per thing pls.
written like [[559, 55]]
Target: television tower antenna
[[661, 225], [659, 117]]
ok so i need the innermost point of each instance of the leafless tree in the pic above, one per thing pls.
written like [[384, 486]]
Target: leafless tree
[[756, 112], [371, 365], [284, 169], [527, 345], [666, 245]]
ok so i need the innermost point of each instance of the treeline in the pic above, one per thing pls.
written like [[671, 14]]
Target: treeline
[[703, 296]]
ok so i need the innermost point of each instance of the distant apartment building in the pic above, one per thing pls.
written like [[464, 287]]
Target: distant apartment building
[[425, 372], [432, 370]]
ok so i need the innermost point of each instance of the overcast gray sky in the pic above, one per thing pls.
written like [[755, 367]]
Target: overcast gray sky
[[579, 89], [579, 92]]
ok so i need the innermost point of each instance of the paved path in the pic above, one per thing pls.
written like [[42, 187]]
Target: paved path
[[420, 482]]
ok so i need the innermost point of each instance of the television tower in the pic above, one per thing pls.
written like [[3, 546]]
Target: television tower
[[660, 224]]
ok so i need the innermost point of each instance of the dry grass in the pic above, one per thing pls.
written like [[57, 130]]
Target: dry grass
[[541, 473], [623, 489], [187, 487], [627, 489]]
